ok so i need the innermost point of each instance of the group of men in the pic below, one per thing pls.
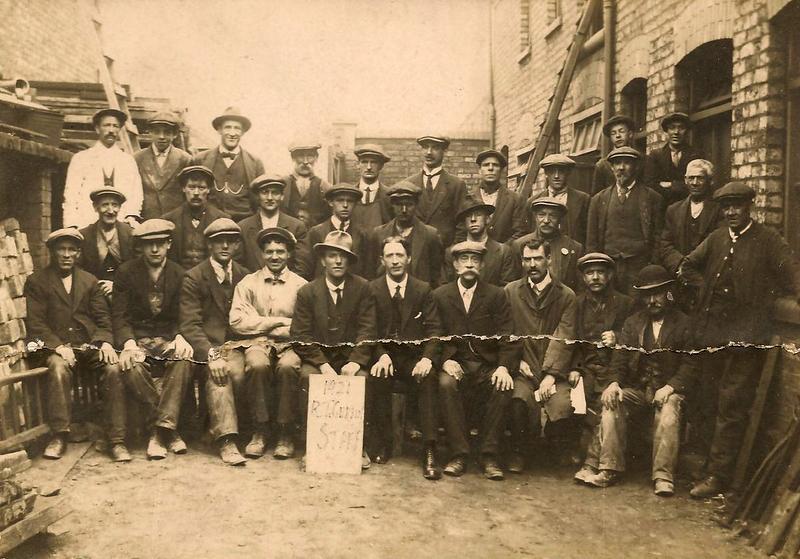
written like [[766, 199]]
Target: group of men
[[265, 280]]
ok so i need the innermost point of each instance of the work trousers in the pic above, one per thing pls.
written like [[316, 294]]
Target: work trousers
[[476, 393], [526, 412], [608, 448]]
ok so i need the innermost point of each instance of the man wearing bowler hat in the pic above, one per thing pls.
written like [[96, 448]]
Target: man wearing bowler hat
[[102, 165], [303, 187], [233, 167], [740, 270], [557, 170], [508, 221], [374, 209], [442, 193], [159, 166], [619, 130], [189, 246], [334, 309], [665, 168], [69, 319], [639, 383]]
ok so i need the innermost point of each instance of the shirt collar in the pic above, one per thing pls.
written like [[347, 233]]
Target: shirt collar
[[464, 290], [547, 280], [364, 186], [436, 171], [337, 223], [393, 284], [100, 145], [332, 288], [157, 153], [236, 150], [735, 236], [553, 194], [627, 188], [283, 275], [219, 271]]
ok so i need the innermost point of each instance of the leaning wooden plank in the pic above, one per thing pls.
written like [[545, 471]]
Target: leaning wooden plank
[[792, 545], [44, 513], [17, 441], [772, 537]]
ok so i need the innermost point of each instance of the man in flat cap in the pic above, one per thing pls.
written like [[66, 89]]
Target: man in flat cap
[[374, 209], [406, 311], [145, 315], [640, 382], [665, 168], [233, 167], [442, 193], [541, 306], [740, 269], [497, 263], [159, 166], [303, 187], [102, 165], [475, 371], [625, 220], [107, 241], [334, 309], [547, 216], [189, 246], [508, 222], [425, 245], [262, 311], [69, 319], [268, 191], [557, 170], [619, 130]]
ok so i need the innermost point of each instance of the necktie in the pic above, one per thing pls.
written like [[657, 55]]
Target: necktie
[[397, 300], [227, 281], [623, 194], [676, 158], [338, 298], [368, 196], [228, 155], [342, 226], [429, 182]]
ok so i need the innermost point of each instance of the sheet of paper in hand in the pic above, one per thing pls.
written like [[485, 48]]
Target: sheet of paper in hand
[[335, 424]]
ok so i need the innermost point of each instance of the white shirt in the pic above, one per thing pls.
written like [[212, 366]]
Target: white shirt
[[437, 174], [696, 208], [269, 221], [466, 294], [735, 235], [220, 272], [332, 289], [86, 172], [227, 160], [393, 286], [161, 156], [67, 281], [365, 188], [560, 196], [626, 189], [337, 224], [260, 298], [490, 199], [657, 324], [539, 287]]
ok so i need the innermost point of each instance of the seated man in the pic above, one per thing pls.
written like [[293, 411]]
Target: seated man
[[641, 382], [262, 310], [334, 309], [145, 318], [475, 371], [405, 311], [204, 306], [67, 314]]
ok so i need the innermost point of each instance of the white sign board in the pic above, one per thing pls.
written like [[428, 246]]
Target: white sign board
[[335, 424]]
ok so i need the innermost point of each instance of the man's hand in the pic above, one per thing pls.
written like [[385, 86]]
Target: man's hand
[[107, 354], [573, 378], [611, 396], [453, 369], [183, 350], [422, 369], [383, 367], [525, 369], [131, 220], [665, 184], [218, 369], [501, 379], [609, 338], [546, 387], [327, 370], [128, 358], [662, 395], [350, 369], [66, 354], [106, 286]]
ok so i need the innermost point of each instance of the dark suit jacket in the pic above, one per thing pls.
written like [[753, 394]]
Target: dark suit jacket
[[52, 313], [448, 198], [315, 201], [204, 308], [603, 176], [176, 217], [309, 266], [650, 203], [160, 187], [673, 245], [130, 307], [658, 167], [253, 167], [90, 258], [578, 203], [564, 254], [509, 220], [384, 207], [419, 318], [357, 323], [250, 255], [426, 252], [497, 267], [489, 315]]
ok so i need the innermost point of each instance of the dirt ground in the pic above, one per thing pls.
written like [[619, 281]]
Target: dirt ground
[[194, 506]]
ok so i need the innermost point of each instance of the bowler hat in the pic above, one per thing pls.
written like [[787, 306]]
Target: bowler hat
[[222, 226], [342, 188], [164, 118], [338, 240], [441, 140], [618, 119], [278, 233], [548, 202], [653, 277], [371, 149], [153, 229], [471, 205], [468, 247], [404, 189], [65, 233], [183, 176], [267, 179], [626, 152], [595, 258], [95, 195], [675, 117], [232, 113], [557, 160], [734, 190], [108, 111], [491, 153]]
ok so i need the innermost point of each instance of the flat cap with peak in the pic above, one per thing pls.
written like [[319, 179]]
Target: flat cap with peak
[[491, 153], [468, 247], [195, 170], [595, 258], [371, 149], [267, 179], [167, 119], [548, 202], [653, 277], [232, 113], [675, 117], [222, 226], [442, 140], [65, 233], [735, 190], [95, 195], [624, 152], [304, 146], [471, 205], [557, 160], [404, 189], [153, 229], [278, 233], [618, 119], [342, 188], [108, 111]]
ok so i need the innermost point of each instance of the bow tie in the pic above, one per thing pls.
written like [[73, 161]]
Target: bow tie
[[275, 279], [229, 155]]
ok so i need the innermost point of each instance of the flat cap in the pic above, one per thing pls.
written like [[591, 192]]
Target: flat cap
[[304, 146], [557, 160], [95, 195], [267, 179], [198, 169], [404, 189], [232, 113], [491, 153], [442, 140], [675, 117], [735, 190], [595, 258], [222, 226], [468, 247], [471, 205], [342, 188], [338, 240], [277, 233], [624, 151], [371, 149], [167, 119], [65, 233], [108, 111], [548, 202], [652, 277], [153, 229], [618, 119]]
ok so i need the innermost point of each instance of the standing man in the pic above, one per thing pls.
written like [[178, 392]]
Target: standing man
[[508, 222], [740, 268], [475, 371], [268, 190], [232, 166], [67, 314], [625, 219], [557, 170], [406, 311], [159, 166], [665, 168], [303, 188], [374, 209], [155, 358], [103, 164], [262, 311], [189, 246], [442, 193], [333, 314], [619, 130]]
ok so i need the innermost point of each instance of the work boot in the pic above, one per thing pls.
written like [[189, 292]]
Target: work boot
[[230, 453], [177, 446], [56, 447], [155, 448], [456, 467], [365, 461], [604, 478], [711, 486], [255, 448], [119, 453], [586, 472], [491, 469], [430, 468], [516, 463], [664, 488]]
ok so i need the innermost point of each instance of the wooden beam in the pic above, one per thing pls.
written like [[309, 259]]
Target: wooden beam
[[45, 512], [17, 441]]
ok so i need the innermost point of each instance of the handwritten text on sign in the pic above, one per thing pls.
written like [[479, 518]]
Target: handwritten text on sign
[[335, 424]]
